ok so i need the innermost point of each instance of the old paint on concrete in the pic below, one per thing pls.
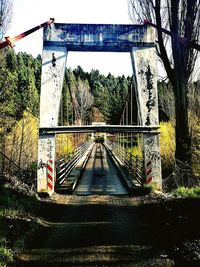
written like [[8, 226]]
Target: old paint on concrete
[[53, 68], [99, 37], [145, 82]]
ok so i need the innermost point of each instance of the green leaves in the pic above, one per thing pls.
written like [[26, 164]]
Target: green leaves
[[18, 87]]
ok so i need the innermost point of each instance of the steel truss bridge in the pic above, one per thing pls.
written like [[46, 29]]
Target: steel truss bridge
[[119, 140]]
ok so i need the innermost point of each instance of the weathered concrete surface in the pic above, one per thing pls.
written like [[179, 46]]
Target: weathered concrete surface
[[53, 67], [98, 37], [145, 83], [46, 151]]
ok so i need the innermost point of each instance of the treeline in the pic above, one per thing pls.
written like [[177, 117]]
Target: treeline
[[109, 93], [20, 79], [86, 97]]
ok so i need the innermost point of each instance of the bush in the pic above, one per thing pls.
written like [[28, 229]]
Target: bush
[[167, 144], [6, 256], [186, 192]]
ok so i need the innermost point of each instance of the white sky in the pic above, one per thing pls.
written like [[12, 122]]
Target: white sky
[[30, 13]]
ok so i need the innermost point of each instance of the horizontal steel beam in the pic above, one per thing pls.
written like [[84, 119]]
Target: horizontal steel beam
[[99, 128]]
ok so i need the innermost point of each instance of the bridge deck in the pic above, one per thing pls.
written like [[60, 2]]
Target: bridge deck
[[100, 176]]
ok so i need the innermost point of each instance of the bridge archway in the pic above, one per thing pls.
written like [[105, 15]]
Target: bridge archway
[[139, 41]]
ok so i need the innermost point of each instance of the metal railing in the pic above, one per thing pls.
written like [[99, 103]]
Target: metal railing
[[65, 165], [133, 164]]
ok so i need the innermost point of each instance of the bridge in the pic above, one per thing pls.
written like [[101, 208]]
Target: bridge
[[99, 158]]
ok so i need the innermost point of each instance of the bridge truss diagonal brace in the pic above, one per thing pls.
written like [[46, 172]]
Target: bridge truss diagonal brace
[[145, 84], [53, 69]]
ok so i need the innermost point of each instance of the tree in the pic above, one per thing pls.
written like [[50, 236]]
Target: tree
[[83, 101], [182, 17]]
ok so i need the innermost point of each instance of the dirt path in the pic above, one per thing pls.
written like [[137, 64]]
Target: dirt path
[[94, 231]]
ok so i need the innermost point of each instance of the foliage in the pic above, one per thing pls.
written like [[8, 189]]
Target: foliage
[[195, 133], [20, 77], [188, 192], [64, 145], [14, 209], [110, 94], [19, 83], [21, 142], [6, 255], [136, 149], [167, 144]]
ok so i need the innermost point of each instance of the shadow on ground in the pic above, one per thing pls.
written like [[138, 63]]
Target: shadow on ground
[[114, 231]]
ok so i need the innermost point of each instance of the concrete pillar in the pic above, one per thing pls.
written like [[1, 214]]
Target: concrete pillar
[[53, 69], [145, 83]]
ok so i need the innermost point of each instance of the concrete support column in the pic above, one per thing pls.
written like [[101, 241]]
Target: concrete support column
[[53, 69], [145, 83]]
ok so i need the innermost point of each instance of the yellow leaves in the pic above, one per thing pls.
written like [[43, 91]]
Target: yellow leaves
[[21, 142], [195, 132], [136, 151], [64, 145], [167, 143]]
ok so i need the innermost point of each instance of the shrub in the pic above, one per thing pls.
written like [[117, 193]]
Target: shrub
[[186, 192], [64, 145], [167, 144], [6, 256]]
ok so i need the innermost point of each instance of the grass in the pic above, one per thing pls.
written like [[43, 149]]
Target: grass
[[185, 192], [15, 225]]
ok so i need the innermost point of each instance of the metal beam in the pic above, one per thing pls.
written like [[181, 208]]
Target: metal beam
[[99, 128]]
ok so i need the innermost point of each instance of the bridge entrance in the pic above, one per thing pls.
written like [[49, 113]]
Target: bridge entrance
[[139, 41]]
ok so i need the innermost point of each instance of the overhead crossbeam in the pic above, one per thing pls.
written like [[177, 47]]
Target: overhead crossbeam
[[99, 128], [99, 37]]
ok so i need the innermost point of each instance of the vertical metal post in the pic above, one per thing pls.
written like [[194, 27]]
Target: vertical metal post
[[131, 110]]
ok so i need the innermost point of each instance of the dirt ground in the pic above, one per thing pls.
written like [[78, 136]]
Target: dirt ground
[[116, 231]]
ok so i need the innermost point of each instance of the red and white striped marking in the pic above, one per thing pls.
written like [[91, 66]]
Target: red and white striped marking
[[149, 173], [50, 174]]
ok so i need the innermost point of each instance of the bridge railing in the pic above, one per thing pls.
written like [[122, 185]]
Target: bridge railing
[[65, 165], [133, 164]]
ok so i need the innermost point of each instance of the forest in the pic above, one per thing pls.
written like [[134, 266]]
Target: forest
[[87, 97]]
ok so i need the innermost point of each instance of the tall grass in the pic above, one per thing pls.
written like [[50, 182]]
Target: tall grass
[[14, 209]]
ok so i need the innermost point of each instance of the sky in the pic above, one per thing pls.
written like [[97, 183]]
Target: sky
[[30, 13]]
